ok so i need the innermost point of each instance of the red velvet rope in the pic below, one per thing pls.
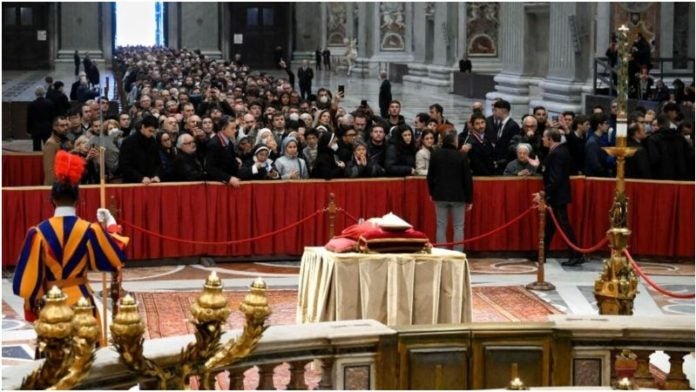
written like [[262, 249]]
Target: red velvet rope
[[233, 242], [595, 248], [653, 284], [348, 215], [496, 230]]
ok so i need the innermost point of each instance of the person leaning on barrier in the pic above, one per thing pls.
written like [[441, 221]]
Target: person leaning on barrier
[[400, 158], [451, 187], [139, 159], [187, 166], [523, 165], [221, 163]]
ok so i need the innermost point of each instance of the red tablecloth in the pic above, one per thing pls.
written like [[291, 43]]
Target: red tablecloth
[[661, 214]]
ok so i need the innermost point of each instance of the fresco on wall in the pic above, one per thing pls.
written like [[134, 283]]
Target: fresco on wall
[[482, 29], [336, 26], [641, 18], [392, 27]]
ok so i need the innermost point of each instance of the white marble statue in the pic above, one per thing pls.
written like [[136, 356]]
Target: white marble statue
[[351, 53]]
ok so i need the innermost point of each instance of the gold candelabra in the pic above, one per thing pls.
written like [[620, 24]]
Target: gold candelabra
[[206, 355], [616, 287], [67, 339]]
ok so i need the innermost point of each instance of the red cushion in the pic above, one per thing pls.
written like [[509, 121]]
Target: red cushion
[[357, 229], [383, 241], [341, 245]]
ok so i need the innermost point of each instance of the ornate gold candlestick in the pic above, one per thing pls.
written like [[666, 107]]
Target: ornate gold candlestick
[[616, 287]]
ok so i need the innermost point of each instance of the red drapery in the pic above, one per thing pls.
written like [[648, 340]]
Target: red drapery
[[661, 214], [22, 169]]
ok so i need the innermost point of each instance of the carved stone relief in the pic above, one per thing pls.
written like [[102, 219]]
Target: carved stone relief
[[392, 27], [482, 29], [336, 26]]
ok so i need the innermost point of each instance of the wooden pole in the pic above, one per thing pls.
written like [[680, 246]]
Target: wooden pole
[[102, 204], [540, 284]]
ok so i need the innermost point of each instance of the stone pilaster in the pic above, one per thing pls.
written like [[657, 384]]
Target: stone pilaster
[[419, 32], [562, 88], [511, 85], [173, 13], [666, 33], [199, 28], [362, 65], [80, 28], [441, 36]]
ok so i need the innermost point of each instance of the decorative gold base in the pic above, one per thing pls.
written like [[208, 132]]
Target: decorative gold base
[[541, 286]]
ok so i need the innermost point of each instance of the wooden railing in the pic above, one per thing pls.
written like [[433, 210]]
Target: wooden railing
[[364, 354]]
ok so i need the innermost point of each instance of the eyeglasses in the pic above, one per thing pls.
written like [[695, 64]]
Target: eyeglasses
[[187, 143]]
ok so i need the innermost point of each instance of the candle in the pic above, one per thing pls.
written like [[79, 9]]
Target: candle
[[621, 129]]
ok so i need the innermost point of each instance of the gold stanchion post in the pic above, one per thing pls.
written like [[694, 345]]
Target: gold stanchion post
[[540, 284], [331, 210]]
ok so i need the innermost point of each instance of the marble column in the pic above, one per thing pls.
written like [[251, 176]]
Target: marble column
[[200, 27], [441, 36], [419, 32], [567, 75], [349, 21], [511, 85], [461, 33], [80, 28]]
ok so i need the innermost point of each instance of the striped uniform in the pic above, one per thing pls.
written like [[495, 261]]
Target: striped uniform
[[59, 251]]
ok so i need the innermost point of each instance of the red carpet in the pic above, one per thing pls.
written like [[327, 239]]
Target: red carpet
[[167, 313]]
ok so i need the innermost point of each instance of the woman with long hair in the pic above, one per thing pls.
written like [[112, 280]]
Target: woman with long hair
[[427, 141]]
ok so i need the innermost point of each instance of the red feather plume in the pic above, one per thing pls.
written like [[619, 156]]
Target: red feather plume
[[68, 167]]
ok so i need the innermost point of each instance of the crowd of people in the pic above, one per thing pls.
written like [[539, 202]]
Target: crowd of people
[[188, 117]]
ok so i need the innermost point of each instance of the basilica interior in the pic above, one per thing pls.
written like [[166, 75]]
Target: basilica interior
[[233, 288]]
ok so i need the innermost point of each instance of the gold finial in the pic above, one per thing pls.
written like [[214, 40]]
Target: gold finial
[[83, 303], [258, 283], [213, 279], [211, 305], [54, 293], [128, 300]]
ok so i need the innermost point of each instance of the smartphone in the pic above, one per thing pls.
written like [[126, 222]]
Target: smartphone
[[342, 89], [363, 102], [554, 118]]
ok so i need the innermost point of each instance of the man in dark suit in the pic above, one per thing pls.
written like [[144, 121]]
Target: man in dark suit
[[305, 76], [500, 129], [465, 65], [39, 116], [385, 95], [317, 59], [221, 161], [557, 169]]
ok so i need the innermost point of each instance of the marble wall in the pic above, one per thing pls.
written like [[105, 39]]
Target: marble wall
[[79, 27]]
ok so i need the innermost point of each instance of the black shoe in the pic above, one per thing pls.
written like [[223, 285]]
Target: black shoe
[[574, 262]]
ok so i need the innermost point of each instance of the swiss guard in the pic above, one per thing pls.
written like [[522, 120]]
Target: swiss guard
[[61, 250]]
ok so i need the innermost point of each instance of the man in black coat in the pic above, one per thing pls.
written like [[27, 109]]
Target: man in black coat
[[479, 151], [557, 168], [451, 188], [500, 132], [385, 95], [60, 101], [317, 59], [638, 165], [139, 159], [39, 116], [221, 161], [668, 152], [305, 76]]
